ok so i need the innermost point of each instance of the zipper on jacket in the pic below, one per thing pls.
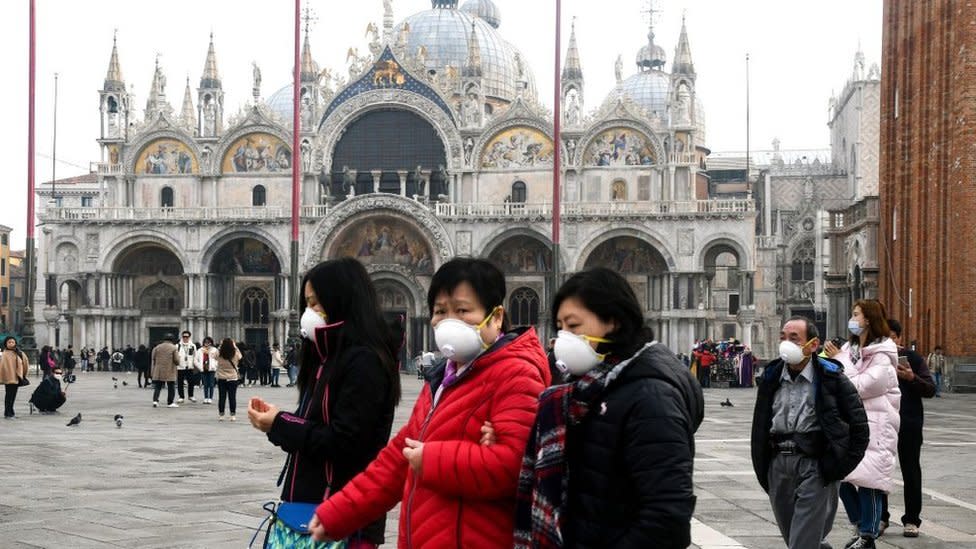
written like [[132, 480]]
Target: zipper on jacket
[[420, 438]]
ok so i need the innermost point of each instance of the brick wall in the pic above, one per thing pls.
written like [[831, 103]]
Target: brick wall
[[927, 171]]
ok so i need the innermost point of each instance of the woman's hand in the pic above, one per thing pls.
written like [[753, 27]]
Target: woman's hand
[[317, 530], [261, 414], [414, 452], [488, 434], [831, 349]]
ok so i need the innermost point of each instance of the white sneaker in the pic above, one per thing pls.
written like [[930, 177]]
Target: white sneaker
[[220, 418], [206, 401], [173, 405], [232, 418], [179, 401], [193, 399], [155, 404]]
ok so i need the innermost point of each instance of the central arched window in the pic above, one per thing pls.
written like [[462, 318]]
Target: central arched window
[[160, 298], [388, 141], [166, 197], [255, 307], [518, 192], [259, 196], [523, 307]]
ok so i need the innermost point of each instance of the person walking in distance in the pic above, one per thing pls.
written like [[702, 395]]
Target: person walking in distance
[[184, 370], [13, 369], [228, 357], [937, 365], [809, 430], [164, 360], [205, 362], [142, 360], [277, 363], [915, 383]]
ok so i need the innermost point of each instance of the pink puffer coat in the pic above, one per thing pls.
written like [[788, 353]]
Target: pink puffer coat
[[876, 378]]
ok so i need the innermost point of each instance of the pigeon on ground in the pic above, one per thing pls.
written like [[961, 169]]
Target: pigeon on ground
[[75, 420], [115, 379], [116, 386], [124, 383], [727, 403], [118, 420]]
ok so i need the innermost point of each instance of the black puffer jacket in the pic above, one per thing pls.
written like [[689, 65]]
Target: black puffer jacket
[[360, 406], [631, 459], [842, 419]]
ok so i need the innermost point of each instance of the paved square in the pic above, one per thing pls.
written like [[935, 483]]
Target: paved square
[[176, 478]]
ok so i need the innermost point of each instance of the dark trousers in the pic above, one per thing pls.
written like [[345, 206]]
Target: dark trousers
[[265, 374], [275, 373], [863, 506], [170, 390], [909, 455], [187, 376], [227, 390], [8, 399], [706, 376], [142, 374]]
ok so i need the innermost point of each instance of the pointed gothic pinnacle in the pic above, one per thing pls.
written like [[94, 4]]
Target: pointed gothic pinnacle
[[210, 77], [113, 77], [573, 70]]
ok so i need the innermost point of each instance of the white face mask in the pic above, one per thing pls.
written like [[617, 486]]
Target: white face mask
[[460, 341], [310, 320], [576, 353], [854, 327], [790, 352]]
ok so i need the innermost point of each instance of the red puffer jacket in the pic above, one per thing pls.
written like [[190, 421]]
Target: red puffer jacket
[[464, 496]]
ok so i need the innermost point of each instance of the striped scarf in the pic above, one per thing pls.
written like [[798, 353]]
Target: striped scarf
[[544, 479]]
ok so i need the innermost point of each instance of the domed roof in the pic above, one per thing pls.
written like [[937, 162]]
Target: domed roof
[[445, 32], [485, 9], [280, 102], [648, 89]]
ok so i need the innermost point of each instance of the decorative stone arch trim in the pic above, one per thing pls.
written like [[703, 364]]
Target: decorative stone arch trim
[[117, 247], [361, 207], [594, 131], [501, 235], [732, 241], [640, 233], [349, 111], [161, 129], [405, 280], [218, 240], [53, 259]]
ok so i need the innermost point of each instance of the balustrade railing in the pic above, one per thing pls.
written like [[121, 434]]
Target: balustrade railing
[[447, 210]]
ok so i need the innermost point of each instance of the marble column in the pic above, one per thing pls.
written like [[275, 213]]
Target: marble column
[[402, 174], [377, 174]]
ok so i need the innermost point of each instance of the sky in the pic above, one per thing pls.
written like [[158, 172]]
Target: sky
[[800, 53]]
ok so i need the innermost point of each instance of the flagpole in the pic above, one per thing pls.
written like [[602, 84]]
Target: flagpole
[[556, 157], [27, 337], [295, 182]]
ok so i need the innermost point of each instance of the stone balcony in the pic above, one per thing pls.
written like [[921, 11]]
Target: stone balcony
[[458, 212]]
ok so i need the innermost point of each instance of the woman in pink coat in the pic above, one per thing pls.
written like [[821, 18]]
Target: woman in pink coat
[[870, 360]]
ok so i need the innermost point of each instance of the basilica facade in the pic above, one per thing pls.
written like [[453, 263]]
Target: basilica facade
[[432, 144]]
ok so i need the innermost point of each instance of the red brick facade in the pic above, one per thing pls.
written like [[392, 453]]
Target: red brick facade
[[928, 172]]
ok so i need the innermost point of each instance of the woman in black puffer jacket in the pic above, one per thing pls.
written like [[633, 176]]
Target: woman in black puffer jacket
[[630, 412]]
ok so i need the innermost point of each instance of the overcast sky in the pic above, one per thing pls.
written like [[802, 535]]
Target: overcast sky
[[801, 52]]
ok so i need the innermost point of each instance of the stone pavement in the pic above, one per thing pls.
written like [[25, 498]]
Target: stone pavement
[[176, 478]]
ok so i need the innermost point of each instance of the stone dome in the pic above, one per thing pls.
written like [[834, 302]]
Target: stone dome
[[445, 31], [648, 89], [280, 102], [485, 9]]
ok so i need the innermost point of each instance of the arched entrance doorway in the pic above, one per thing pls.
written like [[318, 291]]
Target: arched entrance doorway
[[245, 286]]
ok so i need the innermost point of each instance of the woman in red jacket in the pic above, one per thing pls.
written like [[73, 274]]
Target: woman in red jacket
[[456, 491]]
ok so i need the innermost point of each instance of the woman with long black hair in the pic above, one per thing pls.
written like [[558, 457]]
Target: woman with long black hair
[[348, 388]]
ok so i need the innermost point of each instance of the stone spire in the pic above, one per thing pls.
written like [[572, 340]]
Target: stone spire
[[310, 71], [682, 53], [573, 70], [113, 78], [651, 56], [473, 65], [188, 116], [156, 102], [210, 77]]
